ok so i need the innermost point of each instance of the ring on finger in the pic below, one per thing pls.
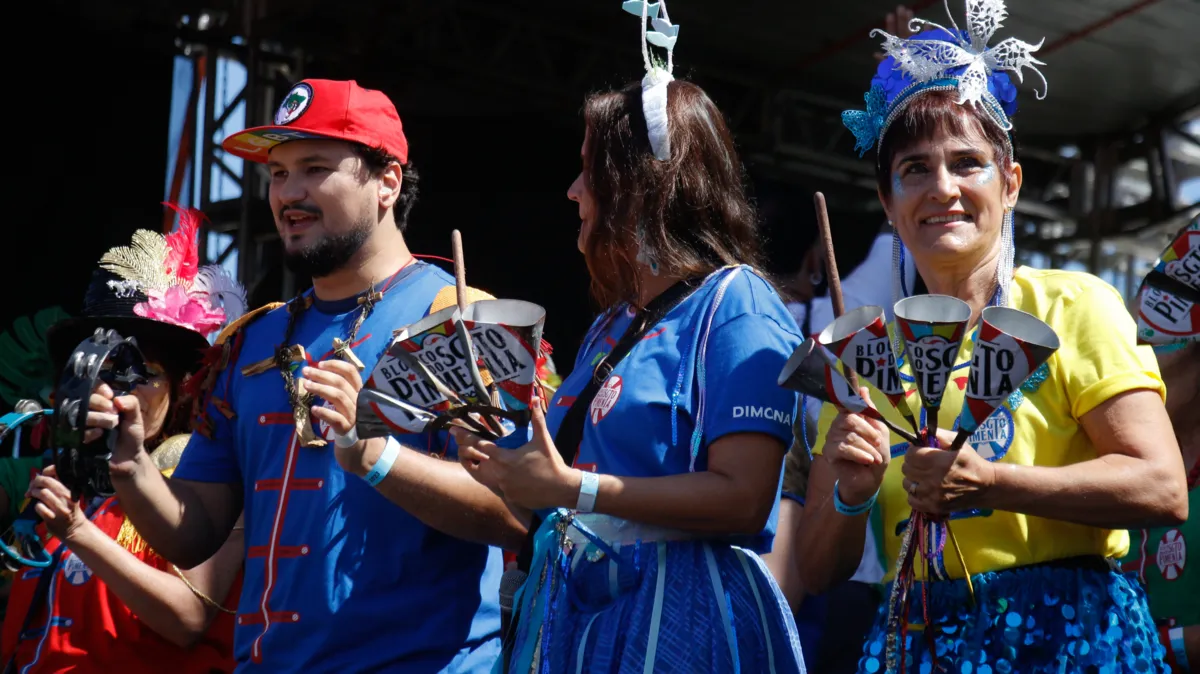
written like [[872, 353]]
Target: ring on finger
[[912, 488]]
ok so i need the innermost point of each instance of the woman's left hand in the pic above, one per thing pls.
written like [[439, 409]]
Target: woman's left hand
[[941, 482], [533, 476], [61, 513]]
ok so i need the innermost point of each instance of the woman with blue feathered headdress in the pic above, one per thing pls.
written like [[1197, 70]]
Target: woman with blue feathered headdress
[[1023, 579]]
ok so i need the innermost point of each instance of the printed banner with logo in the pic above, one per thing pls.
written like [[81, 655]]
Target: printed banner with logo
[[1168, 302], [476, 369]]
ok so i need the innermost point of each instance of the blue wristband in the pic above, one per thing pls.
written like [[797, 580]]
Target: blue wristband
[[851, 511], [384, 464]]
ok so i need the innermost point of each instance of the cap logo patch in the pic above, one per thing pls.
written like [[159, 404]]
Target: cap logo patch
[[294, 105]]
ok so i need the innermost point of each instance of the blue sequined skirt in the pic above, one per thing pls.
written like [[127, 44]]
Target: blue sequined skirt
[[1027, 620], [643, 605]]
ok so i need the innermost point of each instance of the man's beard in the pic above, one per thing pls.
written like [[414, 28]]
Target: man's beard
[[320, 259]]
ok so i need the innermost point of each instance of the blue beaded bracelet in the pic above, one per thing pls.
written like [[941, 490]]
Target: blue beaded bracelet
[[851, 511]]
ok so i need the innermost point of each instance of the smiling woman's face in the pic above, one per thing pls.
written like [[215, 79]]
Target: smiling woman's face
[[948, 196]]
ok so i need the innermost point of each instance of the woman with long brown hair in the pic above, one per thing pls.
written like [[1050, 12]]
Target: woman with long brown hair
[[655, 472]]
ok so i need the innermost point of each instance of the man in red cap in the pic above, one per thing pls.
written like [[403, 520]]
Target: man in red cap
[[361, 555]]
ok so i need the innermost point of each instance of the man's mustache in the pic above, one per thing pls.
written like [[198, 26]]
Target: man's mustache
[[311, 210]]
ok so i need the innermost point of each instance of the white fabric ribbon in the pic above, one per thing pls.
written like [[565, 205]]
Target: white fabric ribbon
[[654, 108]]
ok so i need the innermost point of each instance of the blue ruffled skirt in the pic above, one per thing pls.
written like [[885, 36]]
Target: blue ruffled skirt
[[1027, 620], [624, 602]]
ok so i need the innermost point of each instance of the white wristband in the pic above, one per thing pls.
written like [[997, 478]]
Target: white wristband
[[384, 464], [347, 440], [589, 485]]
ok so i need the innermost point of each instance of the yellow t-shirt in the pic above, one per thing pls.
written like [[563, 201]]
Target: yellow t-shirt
[[1098, 359]]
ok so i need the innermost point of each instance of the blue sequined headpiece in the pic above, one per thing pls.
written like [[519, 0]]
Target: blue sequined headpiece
[[940, 59]]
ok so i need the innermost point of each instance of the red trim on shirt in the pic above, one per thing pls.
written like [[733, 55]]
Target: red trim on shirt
[[273, 553]]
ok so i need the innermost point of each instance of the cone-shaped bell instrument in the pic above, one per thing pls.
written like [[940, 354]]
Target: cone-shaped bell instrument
[[1011, 346], [932, 327], [859, 338], [812, 370]]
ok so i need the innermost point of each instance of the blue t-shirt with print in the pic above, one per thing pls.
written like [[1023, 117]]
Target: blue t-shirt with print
[[708, 369], [337, 578]]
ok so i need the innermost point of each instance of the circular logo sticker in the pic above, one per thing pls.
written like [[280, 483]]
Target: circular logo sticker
[[1172, 554], [995, 435], [324, 430], [605, 399], [75, 571], [294, 105]]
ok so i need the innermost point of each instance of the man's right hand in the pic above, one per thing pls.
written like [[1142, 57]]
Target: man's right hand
[[857, 449], [124, 413]]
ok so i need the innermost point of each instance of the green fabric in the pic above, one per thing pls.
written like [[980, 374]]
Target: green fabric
[[14, 480], [1167, 560], [25, 367]]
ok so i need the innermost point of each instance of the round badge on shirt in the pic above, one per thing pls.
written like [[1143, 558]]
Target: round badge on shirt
[[606, 399], [995, 435], [324, 430], [75, 571]]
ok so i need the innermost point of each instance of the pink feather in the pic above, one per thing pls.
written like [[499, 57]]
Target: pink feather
[[183, 253]]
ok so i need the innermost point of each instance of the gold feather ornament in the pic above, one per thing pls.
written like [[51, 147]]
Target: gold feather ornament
[[143, 262]]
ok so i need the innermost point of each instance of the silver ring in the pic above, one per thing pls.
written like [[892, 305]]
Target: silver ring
[[912, 488]]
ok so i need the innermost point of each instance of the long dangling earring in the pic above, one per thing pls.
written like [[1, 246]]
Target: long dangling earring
[[898, 290], [645, 255], [1008, 254], [647, 258]]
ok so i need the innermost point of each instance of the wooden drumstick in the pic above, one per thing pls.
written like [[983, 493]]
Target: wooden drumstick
[[831, 272], [460, 282], [460, 272]]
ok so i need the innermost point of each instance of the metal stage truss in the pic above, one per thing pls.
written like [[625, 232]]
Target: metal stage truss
[[208, 38], [1106, 201]]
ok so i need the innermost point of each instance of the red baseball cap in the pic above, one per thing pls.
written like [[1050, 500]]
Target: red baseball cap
[[328, 109]]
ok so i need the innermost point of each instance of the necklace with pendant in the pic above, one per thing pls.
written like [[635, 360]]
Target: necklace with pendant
[[290, 356]]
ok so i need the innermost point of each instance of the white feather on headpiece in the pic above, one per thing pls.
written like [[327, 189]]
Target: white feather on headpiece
[[223, 291]]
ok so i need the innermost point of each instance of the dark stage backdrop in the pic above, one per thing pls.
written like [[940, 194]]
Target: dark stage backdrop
[[502, 181], [89, 145], [86, 148]]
